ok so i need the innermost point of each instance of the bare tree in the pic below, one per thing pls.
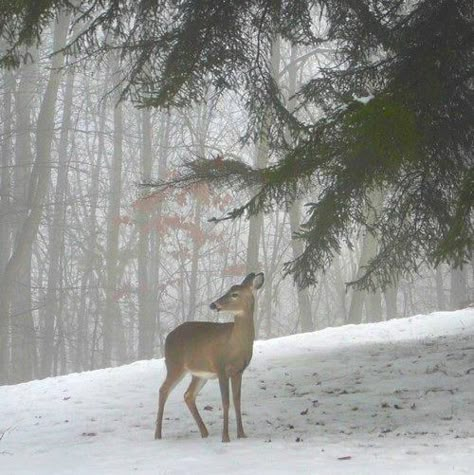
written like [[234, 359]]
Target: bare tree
[[23, 358], [111, 317], [51, 311], [146, 317]]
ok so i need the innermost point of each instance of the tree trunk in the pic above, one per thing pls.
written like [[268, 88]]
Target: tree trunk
[[110, 326], [202, 130], [5, 176], [5, 210], [146, 317], [458, 297], [20, 288], [372, 300], [82, 357], [373, 307], [20, 259], [156, 236], [440, 295], [304, 304], [390, 295], [340, 288], [56, 237], [261, 161], [193, 281]]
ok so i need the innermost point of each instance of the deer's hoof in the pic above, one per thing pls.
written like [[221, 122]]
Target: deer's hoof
[[225, 438]]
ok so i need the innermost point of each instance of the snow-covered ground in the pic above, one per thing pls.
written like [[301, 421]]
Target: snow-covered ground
[[392, 397]]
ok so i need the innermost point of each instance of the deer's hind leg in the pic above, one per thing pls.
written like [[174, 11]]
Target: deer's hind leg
[[190, 398], [173, 377]]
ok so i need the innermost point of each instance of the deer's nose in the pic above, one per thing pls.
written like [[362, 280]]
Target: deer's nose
[[214, 306]]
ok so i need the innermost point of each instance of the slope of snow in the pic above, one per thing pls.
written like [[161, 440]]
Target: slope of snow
[[392, 397]]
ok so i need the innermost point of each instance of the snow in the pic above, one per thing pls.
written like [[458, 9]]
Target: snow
[[392, 397], [365, 99]]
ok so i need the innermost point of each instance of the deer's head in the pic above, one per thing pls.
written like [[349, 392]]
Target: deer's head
[[240, 298]]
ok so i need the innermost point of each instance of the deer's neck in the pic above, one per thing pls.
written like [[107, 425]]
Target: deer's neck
[[243, 333]]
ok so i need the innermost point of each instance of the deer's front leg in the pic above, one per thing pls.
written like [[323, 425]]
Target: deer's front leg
[[236, 386], [224, 385]]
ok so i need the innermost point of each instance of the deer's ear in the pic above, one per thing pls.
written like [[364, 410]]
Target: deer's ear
[[258, 281], [248, 280]]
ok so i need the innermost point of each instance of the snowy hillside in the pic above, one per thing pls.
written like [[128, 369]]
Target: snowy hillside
[[393, 397]]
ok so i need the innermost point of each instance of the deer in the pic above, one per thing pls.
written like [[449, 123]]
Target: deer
[[211, 350]]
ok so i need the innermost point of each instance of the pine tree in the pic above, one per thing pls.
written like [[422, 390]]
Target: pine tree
[[394, 110]]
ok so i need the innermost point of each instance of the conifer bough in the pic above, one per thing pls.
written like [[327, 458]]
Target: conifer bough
[[410, 141]]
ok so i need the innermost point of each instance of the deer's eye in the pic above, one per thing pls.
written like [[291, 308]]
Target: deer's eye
[[234, 295]]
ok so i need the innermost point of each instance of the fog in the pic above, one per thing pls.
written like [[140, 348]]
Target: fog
[[97, 269]]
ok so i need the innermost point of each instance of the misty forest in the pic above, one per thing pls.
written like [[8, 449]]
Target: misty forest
[[187, 184], [152, 153]]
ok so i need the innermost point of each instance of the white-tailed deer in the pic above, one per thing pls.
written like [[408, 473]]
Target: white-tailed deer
[[210, 350]]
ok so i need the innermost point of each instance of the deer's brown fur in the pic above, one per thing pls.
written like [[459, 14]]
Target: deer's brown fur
[[210, 350]]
